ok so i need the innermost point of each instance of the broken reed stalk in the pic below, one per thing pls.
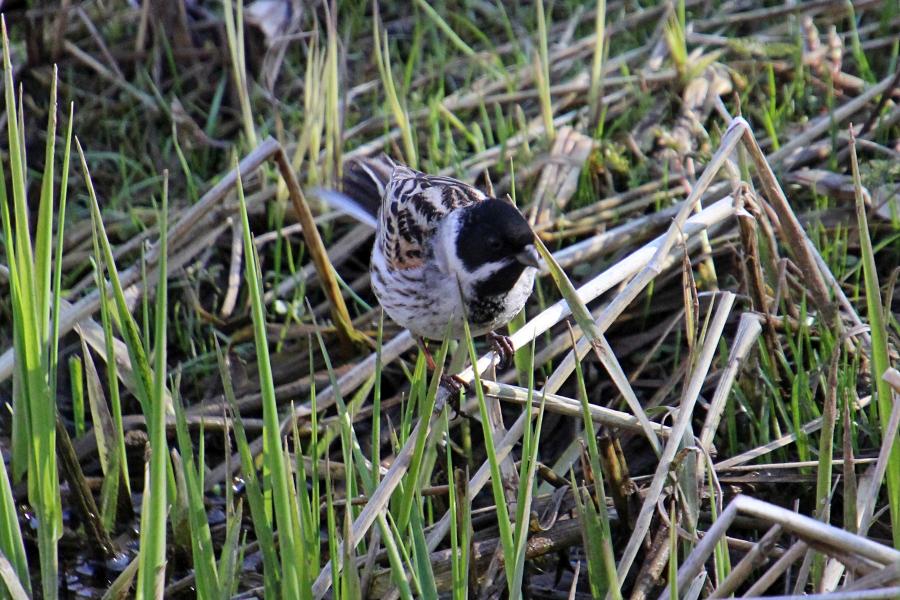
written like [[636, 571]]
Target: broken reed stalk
[[808, 529], [796, 237], [316, 248], [683, 421]]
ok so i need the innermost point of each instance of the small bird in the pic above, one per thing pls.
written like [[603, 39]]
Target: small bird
[[444, 251]]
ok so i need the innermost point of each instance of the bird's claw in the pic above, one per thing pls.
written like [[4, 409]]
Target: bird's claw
[[503, 348], [454, 384]]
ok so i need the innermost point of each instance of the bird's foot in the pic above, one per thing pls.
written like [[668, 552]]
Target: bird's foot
[[452, 383], [455, 384], [503, 348]]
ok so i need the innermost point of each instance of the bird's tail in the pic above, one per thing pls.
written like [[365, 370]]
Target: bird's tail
[[364, 183]]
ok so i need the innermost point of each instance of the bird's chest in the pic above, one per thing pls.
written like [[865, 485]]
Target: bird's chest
[[432, 303], [424, 300], [484, 310]]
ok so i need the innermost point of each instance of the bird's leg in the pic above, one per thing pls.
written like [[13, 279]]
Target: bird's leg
[[504, 349], [429, 359], [453, 383]]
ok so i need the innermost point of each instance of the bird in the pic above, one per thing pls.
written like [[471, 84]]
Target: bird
[[444, 252]]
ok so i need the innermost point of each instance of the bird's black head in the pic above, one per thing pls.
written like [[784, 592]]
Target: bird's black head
[[494, 232]]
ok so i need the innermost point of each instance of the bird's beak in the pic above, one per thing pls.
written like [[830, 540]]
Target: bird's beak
[[529, 257]]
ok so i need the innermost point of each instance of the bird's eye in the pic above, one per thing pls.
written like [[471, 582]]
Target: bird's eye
[[495, 244]]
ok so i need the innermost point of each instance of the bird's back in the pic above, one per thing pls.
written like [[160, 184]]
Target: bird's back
[[408, 204]]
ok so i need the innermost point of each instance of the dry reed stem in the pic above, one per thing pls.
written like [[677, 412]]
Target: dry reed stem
[[570, 407], [744, 341], [889, 575], [753, 560], [682, 423], [793, 554], [808, 529], [234, 270], [795, 236], [892, 376], [347, 334], [868, 489]]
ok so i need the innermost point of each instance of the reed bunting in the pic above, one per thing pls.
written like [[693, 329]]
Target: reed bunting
[[444, 251]]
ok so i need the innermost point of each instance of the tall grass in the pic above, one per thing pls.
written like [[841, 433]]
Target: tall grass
[[234, 32], [542, 72], [880, 360], [151, 390], [275, 468], [35, 298], [401, 118]]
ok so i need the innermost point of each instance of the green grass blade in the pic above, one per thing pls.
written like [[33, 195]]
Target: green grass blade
[[104, 435], [460, 524], [57, 261], [11, 544], [542, 73], [598, 541], [506, 536], [228, 566], [152, 568], [19, 254], [826, 454], [34, 427], [527, 470], [112, 377], [421, 557], [395, 558], [205, 570], [261, 523], [426, 407], [11, 579], [597, 63], [383, 60], [139, 361], [281, 488], [44, 231], [879, 351], [76, 377], [234, 33]]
